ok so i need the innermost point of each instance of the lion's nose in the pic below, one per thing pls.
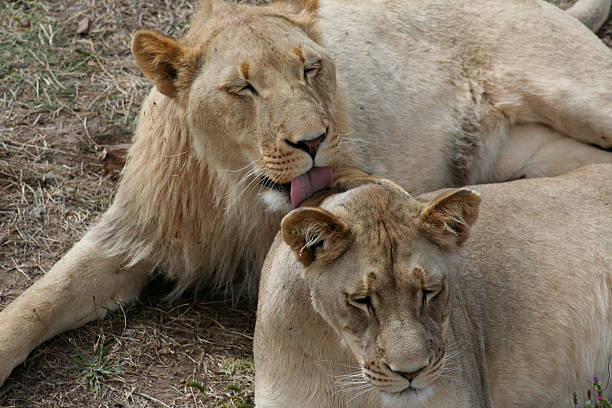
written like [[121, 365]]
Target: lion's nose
[[409, 374], [309, 145]]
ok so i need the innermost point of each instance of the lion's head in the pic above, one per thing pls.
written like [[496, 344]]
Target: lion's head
[[380, 265], [258, 94]]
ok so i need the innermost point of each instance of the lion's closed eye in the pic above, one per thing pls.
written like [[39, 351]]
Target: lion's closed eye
[[239, 88], [311, 69], [361, 301]]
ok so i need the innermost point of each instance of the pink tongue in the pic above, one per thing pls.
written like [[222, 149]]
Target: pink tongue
[[309, 183]]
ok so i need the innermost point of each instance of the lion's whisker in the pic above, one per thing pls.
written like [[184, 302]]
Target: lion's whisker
[[356, 374], [253, 163], [349, 382], [242, 180], [351, 388], [234, 195], [237, 188], [359, 394]]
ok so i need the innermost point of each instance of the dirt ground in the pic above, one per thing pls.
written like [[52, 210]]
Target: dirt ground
[[69, 86]]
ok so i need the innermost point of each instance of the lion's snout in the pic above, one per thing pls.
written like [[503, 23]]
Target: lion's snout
[[310, 142]]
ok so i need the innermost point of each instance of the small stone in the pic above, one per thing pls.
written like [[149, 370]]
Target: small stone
[[83, 27], [25, 22]]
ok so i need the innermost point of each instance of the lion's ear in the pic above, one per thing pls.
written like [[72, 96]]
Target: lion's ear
[[315, 234], [164, 61], [302, 12], [447, 219]]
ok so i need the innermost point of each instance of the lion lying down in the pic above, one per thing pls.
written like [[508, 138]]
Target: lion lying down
[[383, 308], [256, 108]]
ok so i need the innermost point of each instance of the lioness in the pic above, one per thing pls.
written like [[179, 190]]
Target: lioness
[[383, 308], [275, 101]]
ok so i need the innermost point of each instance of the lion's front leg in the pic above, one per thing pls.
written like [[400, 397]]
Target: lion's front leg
[[81, 287], [533, 150], [560, 76], [578, 104]]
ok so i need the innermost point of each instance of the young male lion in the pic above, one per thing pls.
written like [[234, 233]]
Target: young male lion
[[382, 308], [271, 101]]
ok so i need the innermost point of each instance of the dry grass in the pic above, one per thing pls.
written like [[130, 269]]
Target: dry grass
[[62, 96], [190, 354]]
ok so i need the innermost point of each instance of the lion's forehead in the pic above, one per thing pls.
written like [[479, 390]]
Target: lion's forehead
[[392, 260], [386, 243], [269, 60], [369, 204], [259, 39]]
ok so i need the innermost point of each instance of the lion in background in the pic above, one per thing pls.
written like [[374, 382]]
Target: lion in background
[[256, 108], [370, 301]]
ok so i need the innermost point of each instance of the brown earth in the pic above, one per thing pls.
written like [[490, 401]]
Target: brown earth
[[68, 86]]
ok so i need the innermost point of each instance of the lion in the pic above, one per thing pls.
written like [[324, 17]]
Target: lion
[[257, 108], [378, 299]]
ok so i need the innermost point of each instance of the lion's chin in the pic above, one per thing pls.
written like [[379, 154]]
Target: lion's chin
[[407, 398], [276, 201]]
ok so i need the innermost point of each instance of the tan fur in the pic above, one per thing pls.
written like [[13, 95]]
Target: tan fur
[[312, 230], [521, 316], [592, 13], [447, 219], [428, 88]]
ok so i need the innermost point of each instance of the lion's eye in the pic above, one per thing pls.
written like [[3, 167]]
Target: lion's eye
[[311, 70], [428, 294], [242, 88], [360, 301]]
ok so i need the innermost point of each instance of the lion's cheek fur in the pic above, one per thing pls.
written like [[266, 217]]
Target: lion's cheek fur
[[219, 125]]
